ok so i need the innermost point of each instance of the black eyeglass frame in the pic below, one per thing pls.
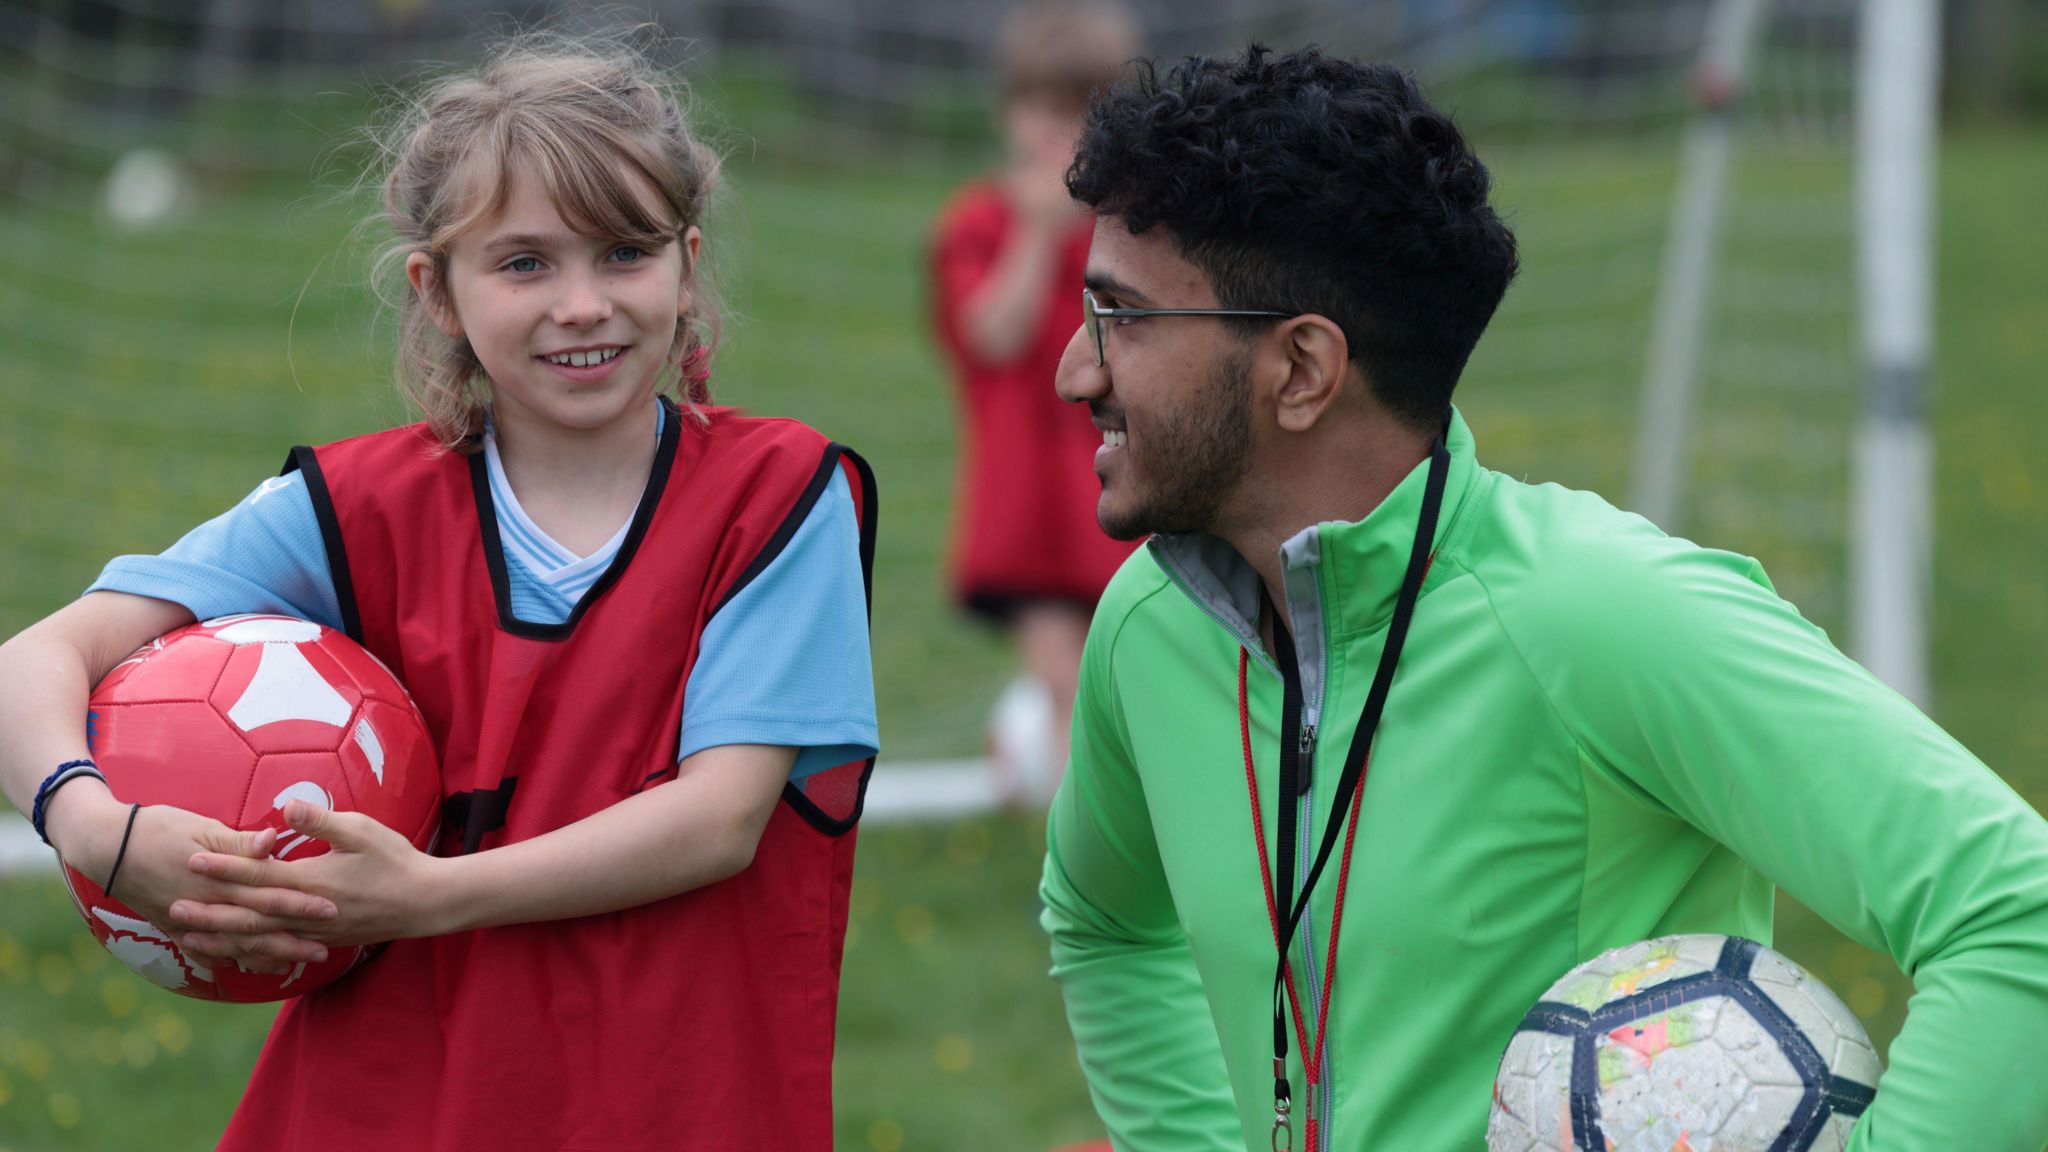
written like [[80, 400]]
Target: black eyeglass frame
[[1092, 315]]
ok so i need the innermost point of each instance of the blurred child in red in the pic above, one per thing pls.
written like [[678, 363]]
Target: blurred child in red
[[1007, 259]]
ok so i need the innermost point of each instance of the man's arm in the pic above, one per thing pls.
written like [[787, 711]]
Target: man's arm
[[1140, 1020], [1703, 691]]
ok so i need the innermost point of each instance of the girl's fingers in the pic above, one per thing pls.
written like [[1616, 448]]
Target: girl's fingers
[[283, 903], [270, 952], [238, 917], [262, 873], [220, 918]]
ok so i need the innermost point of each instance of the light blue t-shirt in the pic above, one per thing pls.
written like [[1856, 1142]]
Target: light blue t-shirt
[[785, 662]]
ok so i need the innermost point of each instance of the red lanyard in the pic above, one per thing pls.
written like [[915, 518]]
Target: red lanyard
[[1251, 779], [1349, 785]]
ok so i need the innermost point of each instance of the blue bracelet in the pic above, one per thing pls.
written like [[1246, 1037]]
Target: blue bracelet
[[66, 772]]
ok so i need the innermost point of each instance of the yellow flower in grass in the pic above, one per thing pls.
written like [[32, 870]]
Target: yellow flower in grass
[[14, 966], [885, 1136], [914, 924], [34, 1059], [106, 1046], [171, 1031], [138, 1048], [953, 1053], [969, 843], [118, 993], [56, 973]]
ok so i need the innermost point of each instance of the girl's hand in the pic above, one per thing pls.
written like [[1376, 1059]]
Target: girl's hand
[[378, 885], [153, 876]]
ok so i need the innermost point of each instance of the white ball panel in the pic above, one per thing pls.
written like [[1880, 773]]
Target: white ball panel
[[1854, 1059], [1636, 968], [1667, 1071], [286, 687], [1759, 1117], [1835, 1136], [268, 630], [1755, 1052], [1527, 1076]]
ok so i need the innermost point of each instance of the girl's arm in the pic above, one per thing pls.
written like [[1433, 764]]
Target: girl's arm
[[692, 831], [48, 672]]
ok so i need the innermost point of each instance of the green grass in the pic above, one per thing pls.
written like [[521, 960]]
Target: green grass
[[150, 382]]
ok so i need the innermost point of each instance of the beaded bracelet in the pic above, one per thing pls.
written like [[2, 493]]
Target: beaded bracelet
[[66, 772]]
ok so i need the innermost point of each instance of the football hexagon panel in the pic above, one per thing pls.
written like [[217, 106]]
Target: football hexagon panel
[[1820, 1014], [1532, 1097], [1834, 1137], [317, 778], [369, 673], [179, 753], [286, 697], [391, 769], [193, 665], [1625, 972]]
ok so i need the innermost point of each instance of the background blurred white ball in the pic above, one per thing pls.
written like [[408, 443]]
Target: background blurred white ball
[[146, 188], [1020, 741]]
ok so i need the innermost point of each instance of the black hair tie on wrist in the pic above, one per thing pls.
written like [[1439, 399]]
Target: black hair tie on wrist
[[123, 853]]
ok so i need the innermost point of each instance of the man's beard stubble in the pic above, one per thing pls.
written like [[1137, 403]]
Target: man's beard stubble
[[1193, 455]]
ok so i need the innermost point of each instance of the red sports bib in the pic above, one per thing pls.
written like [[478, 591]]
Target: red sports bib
[[700, 1021]]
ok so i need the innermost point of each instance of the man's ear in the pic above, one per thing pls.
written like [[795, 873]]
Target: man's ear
[[425, 274], [1318, 361]]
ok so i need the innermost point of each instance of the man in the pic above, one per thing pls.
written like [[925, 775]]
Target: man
[[1597, 734]]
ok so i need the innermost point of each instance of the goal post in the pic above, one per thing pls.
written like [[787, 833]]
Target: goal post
[[1671, 366], [1891, 565]]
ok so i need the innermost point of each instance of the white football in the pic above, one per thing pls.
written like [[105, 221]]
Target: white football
[[1684, 1044]]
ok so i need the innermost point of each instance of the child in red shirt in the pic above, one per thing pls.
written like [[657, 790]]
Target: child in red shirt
[[1007, 261]]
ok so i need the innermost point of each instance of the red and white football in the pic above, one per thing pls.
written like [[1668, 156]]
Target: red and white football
[[232, 718]]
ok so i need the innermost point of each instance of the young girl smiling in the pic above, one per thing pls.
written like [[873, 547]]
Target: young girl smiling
[[635, 624]]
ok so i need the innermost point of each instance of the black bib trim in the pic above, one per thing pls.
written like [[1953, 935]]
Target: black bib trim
[[306, 462], [494, 545]]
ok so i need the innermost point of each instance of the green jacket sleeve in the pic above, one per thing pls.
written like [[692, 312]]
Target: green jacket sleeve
[[1140, 1019], [1684, 677]]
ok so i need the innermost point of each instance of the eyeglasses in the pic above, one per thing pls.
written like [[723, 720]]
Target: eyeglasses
[[1092, 314]]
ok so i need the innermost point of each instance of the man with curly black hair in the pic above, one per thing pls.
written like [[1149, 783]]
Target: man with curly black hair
[[1597, 734]]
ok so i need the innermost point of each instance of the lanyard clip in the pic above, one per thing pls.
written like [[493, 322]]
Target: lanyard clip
[[1283, 1103]]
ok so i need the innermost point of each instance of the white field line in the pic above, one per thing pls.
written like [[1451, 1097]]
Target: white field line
[[901, 791], [20, 852]]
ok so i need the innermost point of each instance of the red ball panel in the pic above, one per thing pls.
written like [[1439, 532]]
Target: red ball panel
[[186, 670], [318, 778], [392, 768], [179, 753], [369, 673]]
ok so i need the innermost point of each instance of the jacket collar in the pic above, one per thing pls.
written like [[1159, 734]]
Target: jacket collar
[[1358, 564]]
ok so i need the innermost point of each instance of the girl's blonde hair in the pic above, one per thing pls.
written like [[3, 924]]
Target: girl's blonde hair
[[582, 117]]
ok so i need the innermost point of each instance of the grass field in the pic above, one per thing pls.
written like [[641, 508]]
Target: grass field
[[147, 385]]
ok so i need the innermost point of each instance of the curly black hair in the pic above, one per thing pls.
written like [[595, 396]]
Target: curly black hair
[[1303, 183]]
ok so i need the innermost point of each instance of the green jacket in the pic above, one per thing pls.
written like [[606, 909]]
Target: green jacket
[[1598, 734]]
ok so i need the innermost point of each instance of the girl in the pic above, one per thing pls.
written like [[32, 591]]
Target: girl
[[636, 627]]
